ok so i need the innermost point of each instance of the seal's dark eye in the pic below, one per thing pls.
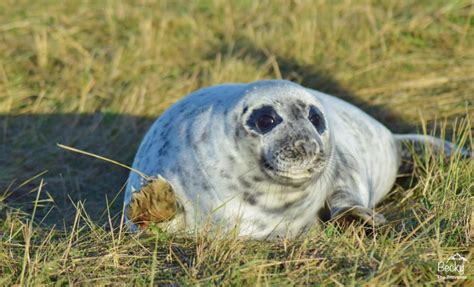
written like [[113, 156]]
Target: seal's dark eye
[[265, 122], [264, 119], [316, 118]]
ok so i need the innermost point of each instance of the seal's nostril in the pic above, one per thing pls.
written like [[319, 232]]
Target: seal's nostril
[[300, 146], [306, 147]]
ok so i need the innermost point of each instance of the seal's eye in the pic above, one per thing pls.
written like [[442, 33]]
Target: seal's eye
[[264, 119], [316, 118], [265, 122]]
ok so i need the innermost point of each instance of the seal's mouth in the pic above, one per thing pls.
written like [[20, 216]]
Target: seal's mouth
[[289, 176]]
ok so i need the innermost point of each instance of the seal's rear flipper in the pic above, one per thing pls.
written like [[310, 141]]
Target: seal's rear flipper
[[417, 143], [155, 202]]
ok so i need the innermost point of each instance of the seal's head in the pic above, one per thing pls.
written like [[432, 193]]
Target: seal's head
[[288, 134]]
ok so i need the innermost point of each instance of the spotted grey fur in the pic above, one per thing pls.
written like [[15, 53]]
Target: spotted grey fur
[[272, 184]]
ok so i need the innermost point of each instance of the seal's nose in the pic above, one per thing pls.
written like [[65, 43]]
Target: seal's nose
[[306, 148]]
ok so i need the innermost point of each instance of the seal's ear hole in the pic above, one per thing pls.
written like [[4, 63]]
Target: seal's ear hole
[[264, 119], [316, 118]]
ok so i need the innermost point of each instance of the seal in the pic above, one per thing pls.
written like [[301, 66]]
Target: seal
[[266, 158]]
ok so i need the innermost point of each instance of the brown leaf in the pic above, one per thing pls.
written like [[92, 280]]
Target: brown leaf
[[154, 203]]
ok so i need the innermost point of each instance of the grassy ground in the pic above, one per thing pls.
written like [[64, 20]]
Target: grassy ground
[[95, 74]]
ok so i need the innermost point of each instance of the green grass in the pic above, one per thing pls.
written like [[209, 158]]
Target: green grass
[[95, 74]]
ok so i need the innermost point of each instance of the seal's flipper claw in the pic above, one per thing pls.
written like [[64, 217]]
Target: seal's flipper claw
[[155, 202], [366, 215], [369, 216]]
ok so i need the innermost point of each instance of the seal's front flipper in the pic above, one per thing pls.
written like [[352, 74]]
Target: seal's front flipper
[[346, 205], [155, 202], [366, 215]]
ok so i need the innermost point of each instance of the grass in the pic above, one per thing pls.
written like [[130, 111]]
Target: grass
[[95, 74]]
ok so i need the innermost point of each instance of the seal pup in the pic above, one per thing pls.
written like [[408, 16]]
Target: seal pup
[[265, 157]]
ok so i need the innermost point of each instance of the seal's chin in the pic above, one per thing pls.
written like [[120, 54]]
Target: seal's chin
[[290, 175]]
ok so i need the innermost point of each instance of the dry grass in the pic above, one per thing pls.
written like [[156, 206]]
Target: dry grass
[[95, 74]]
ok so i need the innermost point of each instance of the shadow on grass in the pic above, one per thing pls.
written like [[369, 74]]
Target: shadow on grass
[[28, 147]]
